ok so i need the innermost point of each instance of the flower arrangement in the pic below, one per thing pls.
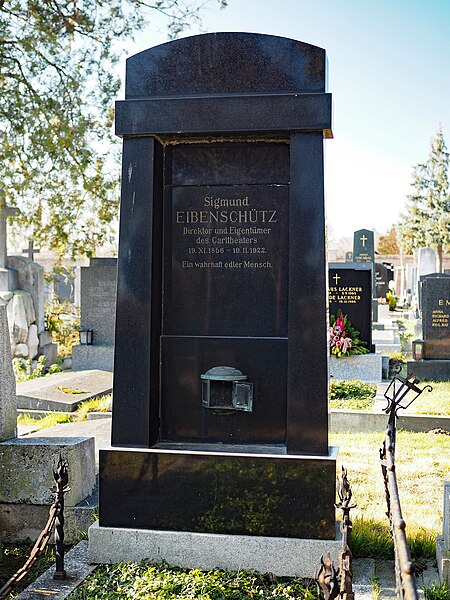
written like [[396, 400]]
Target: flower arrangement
[[343, 338]]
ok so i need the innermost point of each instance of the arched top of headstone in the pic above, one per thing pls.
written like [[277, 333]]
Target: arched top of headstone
[[226, 63]]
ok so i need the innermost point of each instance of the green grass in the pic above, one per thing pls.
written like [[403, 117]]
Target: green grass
[[436, 402], [47, 421], [422, 466], [101, 404], [147, 580]]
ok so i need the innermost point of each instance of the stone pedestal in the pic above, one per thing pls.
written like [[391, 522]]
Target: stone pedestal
[[265, 510], [365, 367]]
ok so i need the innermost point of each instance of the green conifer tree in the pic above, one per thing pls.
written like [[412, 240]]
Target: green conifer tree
[[427, 218]]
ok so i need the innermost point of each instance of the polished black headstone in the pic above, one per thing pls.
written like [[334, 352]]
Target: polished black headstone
[[384, 273], [221, 270], [436, 316], [350, 291]]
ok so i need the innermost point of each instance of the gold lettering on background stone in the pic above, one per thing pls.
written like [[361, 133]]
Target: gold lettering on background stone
[[225, 233], [438, 317], [345, 294]]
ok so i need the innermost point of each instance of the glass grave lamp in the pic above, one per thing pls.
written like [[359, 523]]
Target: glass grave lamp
[[417, 349], [85, 336]]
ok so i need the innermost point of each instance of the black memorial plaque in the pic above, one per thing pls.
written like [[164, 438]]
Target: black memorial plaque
[[350, 286]]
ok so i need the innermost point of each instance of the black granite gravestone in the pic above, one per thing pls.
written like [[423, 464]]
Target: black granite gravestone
[[220, 383], [384, 273], [436, 316], [350, 289]]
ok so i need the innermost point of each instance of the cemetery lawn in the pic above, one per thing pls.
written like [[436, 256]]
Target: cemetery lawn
[[422, 465], [14, 557], [436, 402]]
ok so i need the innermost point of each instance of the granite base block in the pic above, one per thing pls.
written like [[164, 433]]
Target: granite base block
[[266, 493], [285, 557], [21, 522], [92, 357], [26, 469], [365, 367], [429, 370]]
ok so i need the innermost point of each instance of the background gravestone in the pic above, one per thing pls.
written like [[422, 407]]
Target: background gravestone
[[384, 273], [364, 252], [436, 316], [98, 284], [221, 288], [350, 289], [426, 261]]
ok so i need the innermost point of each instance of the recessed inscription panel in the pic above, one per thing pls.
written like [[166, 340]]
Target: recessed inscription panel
[[226, 271]]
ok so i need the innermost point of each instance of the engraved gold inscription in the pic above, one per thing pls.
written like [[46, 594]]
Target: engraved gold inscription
[[225, 233], [345, 294]]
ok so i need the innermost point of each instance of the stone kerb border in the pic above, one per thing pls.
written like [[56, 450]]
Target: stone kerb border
[[343, 421]]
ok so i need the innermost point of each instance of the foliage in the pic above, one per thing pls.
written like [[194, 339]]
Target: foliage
[[58, 59], [102, 404], [23, 369], [388, 244], [427, 220], [62, 320], [343, 338], [149, 580], [352, 394], [436, 591], [14, 557], [392, 300], [48, 421]]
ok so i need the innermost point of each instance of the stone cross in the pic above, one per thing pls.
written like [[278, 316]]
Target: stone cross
[[5, 212], [31, 250]]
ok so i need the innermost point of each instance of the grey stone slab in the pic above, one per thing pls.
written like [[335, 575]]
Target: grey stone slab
[[427, 261], [77, 569], [98, 302], [8, 401], [288, 557], [363, 577], [99, 429], [341, 421], [365, 367], [443, 559], [26, 468], [47, 393], [19, 522], [93, 357]]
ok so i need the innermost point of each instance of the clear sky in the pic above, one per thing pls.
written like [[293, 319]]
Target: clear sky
[[389, 73]]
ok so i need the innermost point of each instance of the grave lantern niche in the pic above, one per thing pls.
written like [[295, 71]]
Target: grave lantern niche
[[220, 381]]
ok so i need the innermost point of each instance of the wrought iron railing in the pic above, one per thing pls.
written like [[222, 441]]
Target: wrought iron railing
[[56, 521], [333, 582]]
